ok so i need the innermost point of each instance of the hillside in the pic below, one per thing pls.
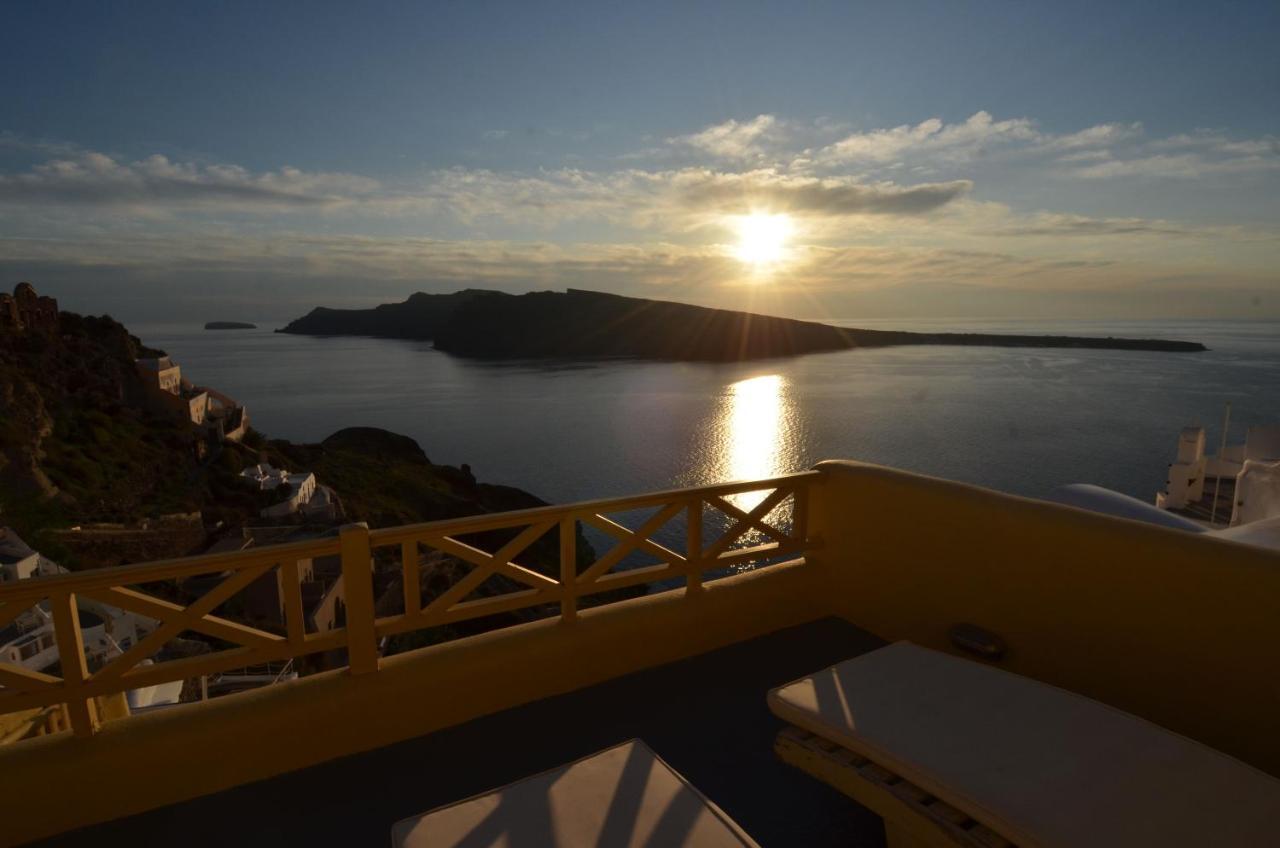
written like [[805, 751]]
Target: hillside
[[93, 476], [386, 479], [80, 445], [77, 440], [582, 324]]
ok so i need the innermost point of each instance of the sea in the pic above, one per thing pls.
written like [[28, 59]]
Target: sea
[[1019, 420]]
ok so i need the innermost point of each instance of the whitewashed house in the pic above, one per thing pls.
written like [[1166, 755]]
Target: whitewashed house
[[269, 478], [28, 640]]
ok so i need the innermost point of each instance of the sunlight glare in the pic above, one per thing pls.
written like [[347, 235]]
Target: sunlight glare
[[762, 238], [753, 421]]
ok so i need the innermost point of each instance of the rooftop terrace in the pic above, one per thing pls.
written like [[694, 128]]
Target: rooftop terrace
[[1172, 627], [704, 715]]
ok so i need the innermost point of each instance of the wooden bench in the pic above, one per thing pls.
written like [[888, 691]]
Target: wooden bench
[[954, 752], [622, 796]]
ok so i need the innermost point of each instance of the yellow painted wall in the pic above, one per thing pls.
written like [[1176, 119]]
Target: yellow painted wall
[[1180, 629], [167, 756]]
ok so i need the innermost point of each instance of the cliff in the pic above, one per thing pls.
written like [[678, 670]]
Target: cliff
[[385, 478], [419, 317], [81, 445], [581, 324], [77, 439]]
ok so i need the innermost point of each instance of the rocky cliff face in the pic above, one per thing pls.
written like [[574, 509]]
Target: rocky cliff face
[[80, 444], [24, 425], [74, 435]]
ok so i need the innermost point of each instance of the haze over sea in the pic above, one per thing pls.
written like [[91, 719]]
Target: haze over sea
[[1023, 421]]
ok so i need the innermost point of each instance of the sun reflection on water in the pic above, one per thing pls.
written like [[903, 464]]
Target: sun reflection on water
[[753, 433], [751, 419], [753, 436]]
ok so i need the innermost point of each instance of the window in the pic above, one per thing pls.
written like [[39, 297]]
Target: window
[[29, 649]]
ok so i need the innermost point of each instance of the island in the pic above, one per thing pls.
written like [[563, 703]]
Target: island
[[419, 317], [230, 325], [578, 324]]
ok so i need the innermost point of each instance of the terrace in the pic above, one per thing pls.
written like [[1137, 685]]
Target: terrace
[[772, 580]]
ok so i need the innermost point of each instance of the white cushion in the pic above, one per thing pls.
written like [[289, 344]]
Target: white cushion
[[622, 796], [1043, 766]]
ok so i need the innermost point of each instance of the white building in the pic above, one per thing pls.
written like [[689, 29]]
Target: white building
[[1252, 472], [206, 407], [17, 560], [268, 478], [323, 504], [29, 640], [161, 374]]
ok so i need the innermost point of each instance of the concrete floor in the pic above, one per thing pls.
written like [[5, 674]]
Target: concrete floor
[[706, 716]]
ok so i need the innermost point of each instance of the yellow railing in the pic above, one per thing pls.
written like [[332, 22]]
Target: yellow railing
[[1177, 628], [757, 530]]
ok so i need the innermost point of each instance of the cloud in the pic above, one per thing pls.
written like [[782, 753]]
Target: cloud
[[96, 179], [1100, 135], [1085, 156], [743, 192], [881, 145], [732, 139], [1178, 166], [652, 264], [673, 200], [977, 135], [963, 139], [10, 140], [883, 208], [1217, 142], [1047, 224], [168, 277], [1187, 156]]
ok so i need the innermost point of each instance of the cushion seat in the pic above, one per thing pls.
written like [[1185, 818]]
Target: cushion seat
[[1039, 765], [622, 796]]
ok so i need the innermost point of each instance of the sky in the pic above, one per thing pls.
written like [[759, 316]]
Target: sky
[[920, 160]]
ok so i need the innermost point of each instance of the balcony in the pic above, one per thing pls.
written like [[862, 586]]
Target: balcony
[[749, 585]]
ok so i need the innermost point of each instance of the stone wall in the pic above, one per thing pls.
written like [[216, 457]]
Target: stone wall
[[26, 311], [103, 547]]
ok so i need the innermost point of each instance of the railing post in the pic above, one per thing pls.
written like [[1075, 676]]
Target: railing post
[[694, 547], [568, 569], [800, 514], [82, 712], [411, 578], [357, 580]]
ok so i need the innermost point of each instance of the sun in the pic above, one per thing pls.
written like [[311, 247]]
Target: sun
[[762, 238]]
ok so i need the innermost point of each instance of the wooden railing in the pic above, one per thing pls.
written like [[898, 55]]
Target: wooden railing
[[759, 521]]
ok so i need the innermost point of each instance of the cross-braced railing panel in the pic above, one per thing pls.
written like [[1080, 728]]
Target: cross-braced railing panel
[[772, 528], [449, 572], [97, 664], [22, 687]]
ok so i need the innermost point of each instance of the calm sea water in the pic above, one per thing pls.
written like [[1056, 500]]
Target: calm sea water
[[1024, 421]]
